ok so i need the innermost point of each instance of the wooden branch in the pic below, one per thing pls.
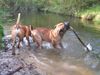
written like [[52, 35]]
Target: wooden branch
[[79, 39], [14, 71]]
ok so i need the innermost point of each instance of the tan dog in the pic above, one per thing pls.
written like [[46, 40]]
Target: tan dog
[[20, 31], [53, 36]]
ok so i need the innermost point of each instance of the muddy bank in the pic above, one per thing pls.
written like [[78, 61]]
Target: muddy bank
[[92, 16]]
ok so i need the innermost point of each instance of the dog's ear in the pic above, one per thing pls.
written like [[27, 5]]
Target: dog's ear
[[59, 25]]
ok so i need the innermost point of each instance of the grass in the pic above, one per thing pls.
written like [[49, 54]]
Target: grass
[[94, 10]]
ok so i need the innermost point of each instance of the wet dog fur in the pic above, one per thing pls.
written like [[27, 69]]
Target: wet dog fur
[[19, 31], [53, 36]]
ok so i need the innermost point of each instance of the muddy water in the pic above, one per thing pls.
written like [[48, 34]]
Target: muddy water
[[72, 60]]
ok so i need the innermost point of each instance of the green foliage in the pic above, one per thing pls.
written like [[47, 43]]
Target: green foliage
[[15, 6], [91, 11], [1, 35], [57, 6], [1, 31]]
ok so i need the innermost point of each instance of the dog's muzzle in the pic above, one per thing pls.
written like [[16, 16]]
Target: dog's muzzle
[[66, 27]]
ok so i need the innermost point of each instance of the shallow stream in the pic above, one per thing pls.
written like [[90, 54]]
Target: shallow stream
[[72, 60]]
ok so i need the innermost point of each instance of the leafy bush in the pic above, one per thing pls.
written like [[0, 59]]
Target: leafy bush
[[58, 6], [1, 35]]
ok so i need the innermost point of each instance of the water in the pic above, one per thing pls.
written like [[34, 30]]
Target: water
[[72, 60]]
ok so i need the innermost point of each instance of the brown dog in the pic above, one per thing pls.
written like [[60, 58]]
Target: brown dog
[[53, 36], [20, 31]]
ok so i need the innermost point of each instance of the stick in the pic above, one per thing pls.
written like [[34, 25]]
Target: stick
[[79, 39], [97, 55], [16, 70]]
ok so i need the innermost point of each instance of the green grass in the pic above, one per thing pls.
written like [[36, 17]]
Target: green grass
[[91, 10], [94, 10]]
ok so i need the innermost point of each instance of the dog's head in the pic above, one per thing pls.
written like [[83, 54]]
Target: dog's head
[[62, 27]]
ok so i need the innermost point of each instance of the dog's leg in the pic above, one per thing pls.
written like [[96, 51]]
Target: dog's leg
[[13, 46], [37, 38], [38, 41], [57, 45], [54, 44], [39, 46], [27, 37], [60, 44], [20, 39], [13, 37]]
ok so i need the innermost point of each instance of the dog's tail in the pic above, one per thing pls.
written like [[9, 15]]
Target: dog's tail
[[30, 27], [18, 19]]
